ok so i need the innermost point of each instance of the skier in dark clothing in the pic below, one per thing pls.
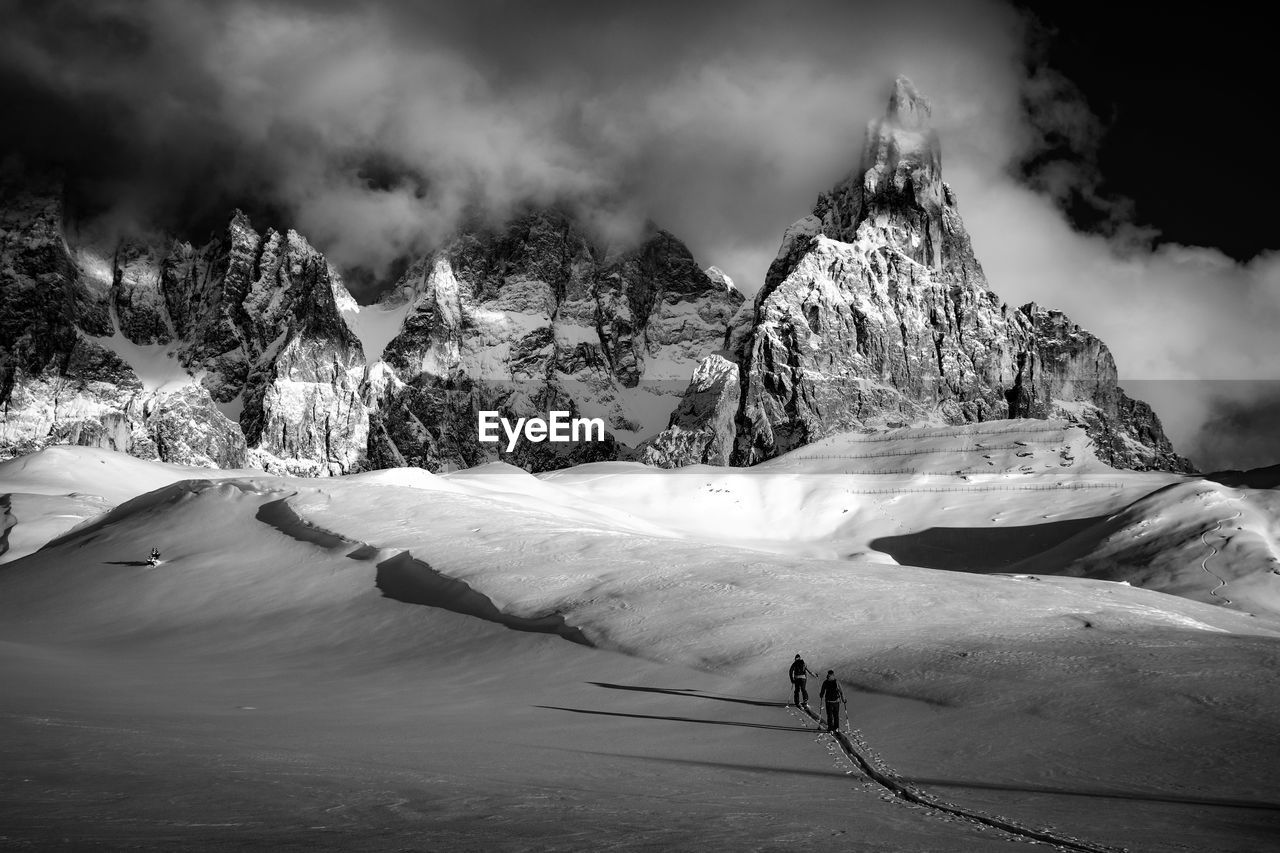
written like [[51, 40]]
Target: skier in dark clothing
[[833, 696], [799, 689], [154, 557]]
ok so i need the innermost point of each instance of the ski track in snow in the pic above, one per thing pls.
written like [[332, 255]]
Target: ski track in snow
[[854, 747], [1214, 551]]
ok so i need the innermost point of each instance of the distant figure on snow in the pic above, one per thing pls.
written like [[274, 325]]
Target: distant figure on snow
[[833, 696], [799, 689], [154, 558]]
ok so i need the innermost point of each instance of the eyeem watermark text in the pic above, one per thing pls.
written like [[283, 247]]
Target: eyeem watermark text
[[556, 427]]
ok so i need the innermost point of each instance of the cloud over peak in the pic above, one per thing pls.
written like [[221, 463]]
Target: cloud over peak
[[374, 127]]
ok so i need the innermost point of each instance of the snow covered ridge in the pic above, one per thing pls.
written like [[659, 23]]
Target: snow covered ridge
[[559, 427], [249, 350]]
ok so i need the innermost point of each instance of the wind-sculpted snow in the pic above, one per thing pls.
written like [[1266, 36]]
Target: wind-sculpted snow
[[1194, 539], [412, 581], [1115, 715], [631, 591]]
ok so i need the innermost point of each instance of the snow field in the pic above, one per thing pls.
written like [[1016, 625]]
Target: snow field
[[1108, 712]]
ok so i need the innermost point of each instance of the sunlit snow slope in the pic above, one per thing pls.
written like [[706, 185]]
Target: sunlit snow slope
[[373, 610]]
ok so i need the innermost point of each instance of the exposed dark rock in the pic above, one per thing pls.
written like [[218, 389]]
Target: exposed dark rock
[[702, 427], [876, 312], [531, 319]]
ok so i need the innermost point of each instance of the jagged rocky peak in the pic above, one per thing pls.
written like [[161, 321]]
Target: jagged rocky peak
[[228, 353], [1067, 372], [895, 197], [901, 178], [136, 295], [535, 315], [721, 279], [701, 429], [908, 109], [876, 313]]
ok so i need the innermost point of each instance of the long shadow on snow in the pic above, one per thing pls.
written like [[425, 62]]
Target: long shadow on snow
[[979, 549], [862, 687], [691, 693], [804, 729], [7, 521], [412, 581], [715, 765], [1101, 795], [280, 515]]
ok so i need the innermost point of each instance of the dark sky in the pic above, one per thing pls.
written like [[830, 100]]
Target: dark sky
[[1186, 98], [1109, 162]]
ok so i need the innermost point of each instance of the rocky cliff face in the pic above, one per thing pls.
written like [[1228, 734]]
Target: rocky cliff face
[[1066, 372], [146, 348], [701, 429], [533, 318], [61, 378], [248, 350], [877, 314]]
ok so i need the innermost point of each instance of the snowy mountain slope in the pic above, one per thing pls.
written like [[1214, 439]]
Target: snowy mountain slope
[[876, 313], [29, 521], [1005, 496], [857, 496], [57, 488], [116, 477], [248, 349], [1196, 539], [1119, 715]]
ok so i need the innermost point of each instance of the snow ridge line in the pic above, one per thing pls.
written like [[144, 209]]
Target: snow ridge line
[[1214, 551], [857, 750], [7, 521], [912, 452], [403, 577], [946, 432], [979, 487]]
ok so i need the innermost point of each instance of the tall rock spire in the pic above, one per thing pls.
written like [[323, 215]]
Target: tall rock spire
[[908, 109], [897, 188], [895, 197], [876, 313]]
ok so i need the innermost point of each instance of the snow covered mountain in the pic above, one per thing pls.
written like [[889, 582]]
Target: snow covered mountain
[[532, 318], [876, 314], [248, 350]]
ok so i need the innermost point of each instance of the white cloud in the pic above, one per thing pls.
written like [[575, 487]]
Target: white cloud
[[1172, 312]]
